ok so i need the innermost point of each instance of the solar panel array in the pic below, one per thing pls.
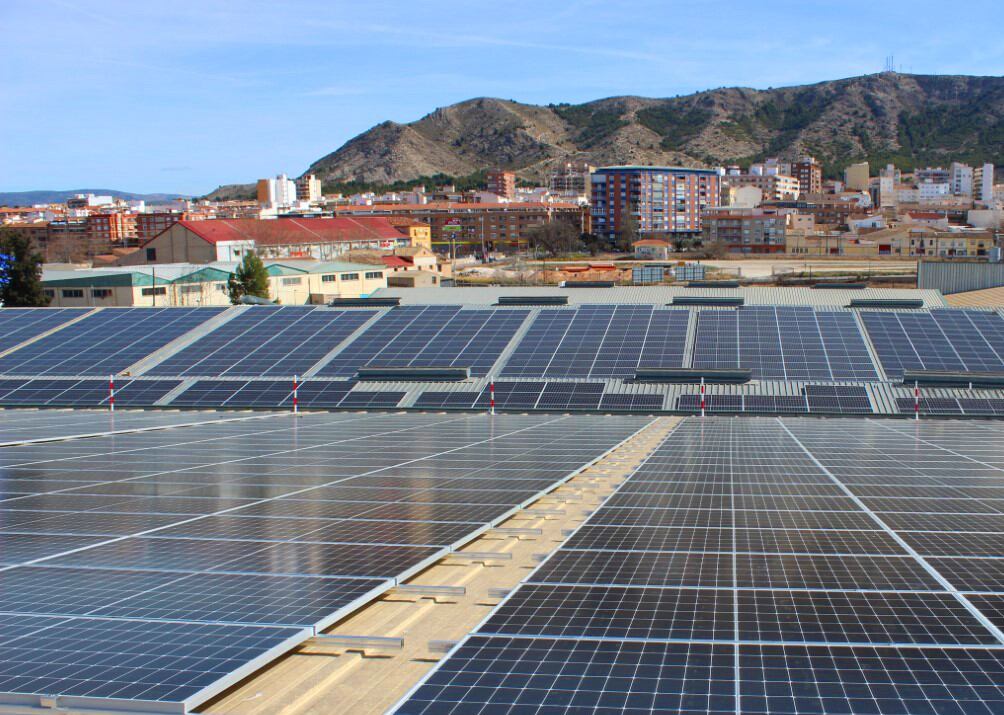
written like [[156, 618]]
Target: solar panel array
[[600, 341], [20, 324], [956, 340], [56, 392], [159, 567], [266, 342], [755, 566], [430, 336], [825, 399], [104, 343], [976, 406], [783, 343]]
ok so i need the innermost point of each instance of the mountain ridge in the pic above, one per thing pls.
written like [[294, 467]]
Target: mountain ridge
[[908, 119], [49, 196]]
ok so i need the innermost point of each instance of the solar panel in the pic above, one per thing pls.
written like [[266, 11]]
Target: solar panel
[[265, 341], [840, 399], [433, 399], [783, 343], [955, 340], [633, 402], [106, 342], [20, 324], [930, 405], [53, 392], [240, 526], [430, 336], [599, 341], [743, 543]]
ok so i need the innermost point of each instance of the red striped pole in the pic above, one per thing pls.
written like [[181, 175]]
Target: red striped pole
[[491, 391], [702, 397], [916, 401], [111, 393], [296, 396]]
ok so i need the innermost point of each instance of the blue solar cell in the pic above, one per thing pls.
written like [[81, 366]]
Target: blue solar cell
[[783, 343], [956, 340], [599, 341], [426, 336], [106, 342], [266, 341], [20, 324]]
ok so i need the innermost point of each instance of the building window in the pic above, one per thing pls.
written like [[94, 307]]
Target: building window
[[350, 276], [189, 289], [328, 278], [153, 291], [73, 293], [49, 293], [375, 275], [221, 287], [151, 254], [101, 292], [292, 281]]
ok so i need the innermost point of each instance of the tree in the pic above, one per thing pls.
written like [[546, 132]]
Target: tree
[[21, 279], [627, 233], [555, 237], [250, 279]]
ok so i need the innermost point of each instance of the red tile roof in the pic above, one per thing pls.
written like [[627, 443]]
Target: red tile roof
[[293, 230], [396, 262]]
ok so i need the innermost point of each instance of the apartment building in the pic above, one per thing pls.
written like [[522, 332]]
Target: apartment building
[[773, 187], [660, 199], [809, 173], [746, 230], [308, 188], [502, 183]]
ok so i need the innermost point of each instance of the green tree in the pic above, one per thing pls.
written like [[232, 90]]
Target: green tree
[[626, 233], [249, 279], [23, 285]]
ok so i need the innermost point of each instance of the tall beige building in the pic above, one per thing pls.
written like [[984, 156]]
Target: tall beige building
[[856, 176]]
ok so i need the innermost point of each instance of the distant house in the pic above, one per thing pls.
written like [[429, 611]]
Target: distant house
[[652, 249], [321, 239]]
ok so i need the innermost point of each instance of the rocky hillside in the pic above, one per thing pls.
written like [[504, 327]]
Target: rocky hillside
[[908, 119]]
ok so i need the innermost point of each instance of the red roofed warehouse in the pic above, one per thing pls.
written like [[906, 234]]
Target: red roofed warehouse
[[322, 239]]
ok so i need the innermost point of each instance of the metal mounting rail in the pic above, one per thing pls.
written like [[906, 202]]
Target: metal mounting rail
[[361, 642]]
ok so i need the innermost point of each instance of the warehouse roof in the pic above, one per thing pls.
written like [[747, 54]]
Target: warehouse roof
[[657, 295]]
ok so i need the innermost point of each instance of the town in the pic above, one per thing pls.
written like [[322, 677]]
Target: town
[[101, 250]]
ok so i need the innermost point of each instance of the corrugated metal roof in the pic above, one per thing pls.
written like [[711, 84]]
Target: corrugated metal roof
[[657, 295], [987, 298]]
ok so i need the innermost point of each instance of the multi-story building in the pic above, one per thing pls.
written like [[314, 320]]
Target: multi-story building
[[572, 178], [856, 177], [502, 183], [662, 200], [935, 175], [109, 230], [464, 228], [983, 184], [278, 192], [809, 173], [746, 230], [961, 179], [150, 224], [773, 187], [308, 188]]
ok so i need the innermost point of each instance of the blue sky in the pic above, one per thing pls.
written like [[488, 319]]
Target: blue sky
[[183, 95]]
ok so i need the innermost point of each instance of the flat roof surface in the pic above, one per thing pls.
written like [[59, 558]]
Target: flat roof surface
[[657, 295]]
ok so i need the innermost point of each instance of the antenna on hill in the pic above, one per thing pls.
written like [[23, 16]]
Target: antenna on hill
[[890, 64]]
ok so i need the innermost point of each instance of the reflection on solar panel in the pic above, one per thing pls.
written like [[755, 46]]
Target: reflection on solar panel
[[599, 341], [265, 341], [106, 342], [20, 324], [783, 343], [430, 336], [55, 392], [841, 399], [675, 596], [163, 566], [956, 340]]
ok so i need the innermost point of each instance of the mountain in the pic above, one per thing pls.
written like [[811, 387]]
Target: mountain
[[907, 119], [51, 196]]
